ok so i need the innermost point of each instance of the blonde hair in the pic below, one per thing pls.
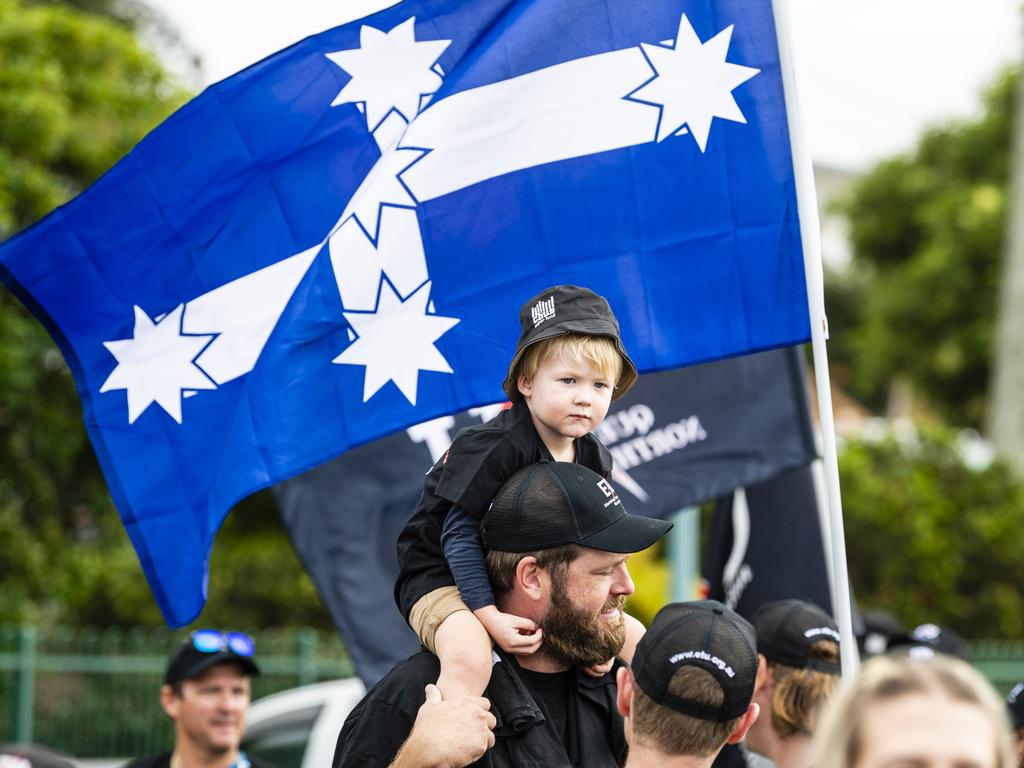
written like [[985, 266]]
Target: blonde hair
[[839, 742], [797, 694], [599, 351], [672, 732]]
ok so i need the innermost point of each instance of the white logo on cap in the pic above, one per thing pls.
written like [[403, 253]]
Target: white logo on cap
[[543, 310], [703, 656], [609, 492], [827, 631]]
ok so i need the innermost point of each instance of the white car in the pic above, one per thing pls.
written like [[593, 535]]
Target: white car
[[299, 728]]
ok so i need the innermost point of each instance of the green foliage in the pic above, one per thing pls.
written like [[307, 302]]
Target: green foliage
[[927, 232], [76, 92], [930, 539]]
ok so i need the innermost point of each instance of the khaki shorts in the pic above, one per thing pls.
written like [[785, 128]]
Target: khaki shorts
[[430, 610]]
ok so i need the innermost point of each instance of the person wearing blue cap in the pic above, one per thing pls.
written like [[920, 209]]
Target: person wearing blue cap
[[206, 692]]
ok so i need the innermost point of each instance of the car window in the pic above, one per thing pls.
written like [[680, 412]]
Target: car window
[[281, 741]]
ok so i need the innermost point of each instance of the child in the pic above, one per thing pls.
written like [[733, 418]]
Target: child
[[568, 367]]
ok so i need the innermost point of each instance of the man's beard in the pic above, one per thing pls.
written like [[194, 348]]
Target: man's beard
[[578, 637]]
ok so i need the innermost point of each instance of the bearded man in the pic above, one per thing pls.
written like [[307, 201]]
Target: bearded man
[[556, 540]]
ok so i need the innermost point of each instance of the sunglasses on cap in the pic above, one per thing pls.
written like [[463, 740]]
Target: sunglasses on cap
[[213, 641]]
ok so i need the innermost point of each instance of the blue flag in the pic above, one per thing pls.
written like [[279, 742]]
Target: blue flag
[[334, 243]]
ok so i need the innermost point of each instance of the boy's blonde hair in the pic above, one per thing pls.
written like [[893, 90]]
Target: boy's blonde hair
[[599, 351]]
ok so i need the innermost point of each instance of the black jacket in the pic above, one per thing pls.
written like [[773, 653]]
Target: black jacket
[[380, 723]]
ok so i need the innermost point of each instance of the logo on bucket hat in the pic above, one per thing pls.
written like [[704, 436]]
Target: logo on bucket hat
[[578, 310]]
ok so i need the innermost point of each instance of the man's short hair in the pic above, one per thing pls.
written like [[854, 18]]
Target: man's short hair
[[674, 733], [501, 566], [694, 673]]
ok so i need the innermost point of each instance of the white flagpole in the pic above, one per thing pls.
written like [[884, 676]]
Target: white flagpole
[[810, 234]]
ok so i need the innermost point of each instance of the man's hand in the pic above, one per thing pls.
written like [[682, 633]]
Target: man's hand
[[447, 734], [513, 633]]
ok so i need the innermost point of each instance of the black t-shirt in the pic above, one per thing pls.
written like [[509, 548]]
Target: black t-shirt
[[469, 475], [553, 691]]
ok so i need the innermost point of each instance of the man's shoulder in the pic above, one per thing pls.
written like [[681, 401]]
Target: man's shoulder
[[150, 761], [375, 729], [406, 680]]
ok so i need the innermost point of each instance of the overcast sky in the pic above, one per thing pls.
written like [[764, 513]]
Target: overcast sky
[[871, 74]]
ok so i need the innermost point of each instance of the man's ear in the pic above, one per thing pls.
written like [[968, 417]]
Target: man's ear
[[744, 724], [530, 577], [525, 385], [624, 697], [765, 678], [170, 701]]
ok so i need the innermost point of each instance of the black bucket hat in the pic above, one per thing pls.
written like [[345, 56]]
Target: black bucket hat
[[564, 309]]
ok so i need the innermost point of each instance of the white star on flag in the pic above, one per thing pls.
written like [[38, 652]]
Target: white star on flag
[[390, 70], [694, 83], [157, 364], [382, 186], [397, 341]]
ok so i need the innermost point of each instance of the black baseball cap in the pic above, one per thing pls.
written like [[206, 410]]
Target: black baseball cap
[[1015, 701], [553, 503], [564, 309], [787, 629], [926, 640], [703, 634], [189, 662]]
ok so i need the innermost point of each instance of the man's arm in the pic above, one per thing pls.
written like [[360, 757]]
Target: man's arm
[[447, 734]]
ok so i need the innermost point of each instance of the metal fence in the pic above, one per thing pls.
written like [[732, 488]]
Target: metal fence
[[94, 693]]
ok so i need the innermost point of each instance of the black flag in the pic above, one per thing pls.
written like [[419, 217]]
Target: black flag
[[766, 545], [679, 438]]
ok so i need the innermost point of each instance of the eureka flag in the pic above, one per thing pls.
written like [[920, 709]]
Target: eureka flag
[[334, 243]]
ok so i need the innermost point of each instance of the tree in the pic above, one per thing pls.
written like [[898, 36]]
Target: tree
[[927, 232], [932, 539], [76, 92]]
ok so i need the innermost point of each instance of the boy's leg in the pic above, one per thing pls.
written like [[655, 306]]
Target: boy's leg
[[450, 630]]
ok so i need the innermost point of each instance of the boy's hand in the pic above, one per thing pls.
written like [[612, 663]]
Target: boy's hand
[[513, 634], [597, 670]]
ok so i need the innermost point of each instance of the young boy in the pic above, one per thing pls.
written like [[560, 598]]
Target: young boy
[[568, 367]]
